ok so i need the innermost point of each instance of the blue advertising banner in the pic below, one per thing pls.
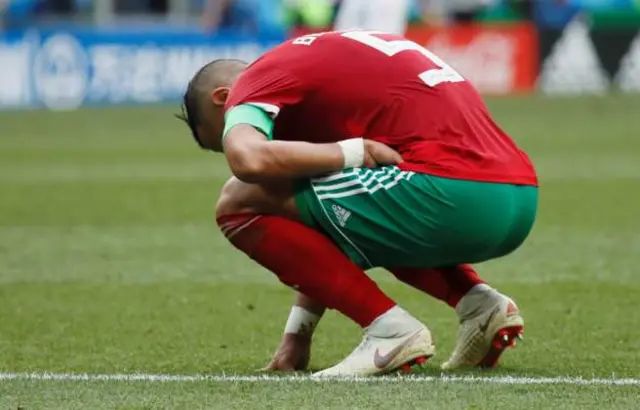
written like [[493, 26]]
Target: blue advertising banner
[[68, 69]]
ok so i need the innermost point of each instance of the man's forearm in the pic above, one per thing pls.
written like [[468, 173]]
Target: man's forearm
[[212, 13], [293, 159], [309, 304], [254, 159]]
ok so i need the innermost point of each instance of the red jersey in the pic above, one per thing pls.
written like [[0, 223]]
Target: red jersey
[[332, 86]]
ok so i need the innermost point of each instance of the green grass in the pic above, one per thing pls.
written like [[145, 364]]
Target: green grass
[[110, 262]]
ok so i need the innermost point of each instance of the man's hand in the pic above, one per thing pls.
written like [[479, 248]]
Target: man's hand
[[377, 154], [292, 354]]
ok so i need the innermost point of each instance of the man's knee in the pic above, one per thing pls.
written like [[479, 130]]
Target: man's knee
[[232, 215], [238, 197], [229, 202]]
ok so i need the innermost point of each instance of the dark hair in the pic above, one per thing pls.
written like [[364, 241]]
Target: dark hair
[[208, 77], [190, 114]]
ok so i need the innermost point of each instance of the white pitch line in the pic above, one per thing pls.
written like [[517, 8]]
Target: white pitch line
[[223, 378]]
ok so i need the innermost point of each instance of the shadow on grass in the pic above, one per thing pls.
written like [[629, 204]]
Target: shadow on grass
[[436, 372]]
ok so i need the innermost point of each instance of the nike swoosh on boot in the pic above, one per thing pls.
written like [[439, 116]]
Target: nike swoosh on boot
[[383, 361]]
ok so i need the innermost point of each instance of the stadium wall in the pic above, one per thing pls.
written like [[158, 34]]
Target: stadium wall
[[66, 69]]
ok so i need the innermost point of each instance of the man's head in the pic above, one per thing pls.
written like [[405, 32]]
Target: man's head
[[203, 103]]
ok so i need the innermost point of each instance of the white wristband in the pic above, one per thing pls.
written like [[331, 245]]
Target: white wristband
[[301, 321], [353, 151]]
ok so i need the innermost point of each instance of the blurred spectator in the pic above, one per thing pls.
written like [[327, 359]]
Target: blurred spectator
[[524, 8], [16, 11], [141, 6], [159, 6], [304, 16], [250, 16], [454, 11], [384, 15], [22, 10], [65, 7], [3, 7]]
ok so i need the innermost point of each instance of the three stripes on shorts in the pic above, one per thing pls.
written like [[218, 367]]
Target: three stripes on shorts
[[355, 181]]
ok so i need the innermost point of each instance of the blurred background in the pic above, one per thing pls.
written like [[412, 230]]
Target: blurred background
[[63, 54]]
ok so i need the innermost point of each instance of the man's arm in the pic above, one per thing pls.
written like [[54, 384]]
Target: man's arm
[[212, 13], [253, 158]]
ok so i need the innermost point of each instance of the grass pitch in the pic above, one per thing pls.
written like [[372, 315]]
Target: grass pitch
[[111, 263]]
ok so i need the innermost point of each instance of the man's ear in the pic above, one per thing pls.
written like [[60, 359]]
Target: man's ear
[[219, 96]]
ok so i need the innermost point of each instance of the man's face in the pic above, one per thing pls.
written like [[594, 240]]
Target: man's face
[[211, 106]]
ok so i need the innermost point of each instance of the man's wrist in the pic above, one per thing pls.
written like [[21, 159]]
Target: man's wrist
[[301, 322], [353, 152]]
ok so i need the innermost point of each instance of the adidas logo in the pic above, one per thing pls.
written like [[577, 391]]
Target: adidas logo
[[628, 78], [573, 67], [342, 215]]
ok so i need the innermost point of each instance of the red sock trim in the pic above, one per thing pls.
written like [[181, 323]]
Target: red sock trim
[[230, 225]]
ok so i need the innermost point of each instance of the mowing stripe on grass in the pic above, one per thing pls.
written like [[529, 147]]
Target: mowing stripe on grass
[[224, 378]]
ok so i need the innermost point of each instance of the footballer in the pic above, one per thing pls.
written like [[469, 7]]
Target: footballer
[[358, 149]]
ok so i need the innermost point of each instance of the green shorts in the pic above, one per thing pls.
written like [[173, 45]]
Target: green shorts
[[389, 218]]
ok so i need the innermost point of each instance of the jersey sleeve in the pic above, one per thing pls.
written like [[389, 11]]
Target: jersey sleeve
[[267, 87], [248, 114]]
